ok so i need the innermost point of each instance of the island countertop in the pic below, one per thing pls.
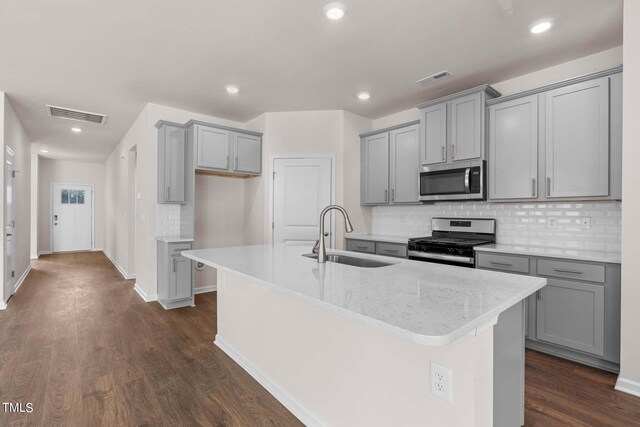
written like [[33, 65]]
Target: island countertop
[[427, 303]]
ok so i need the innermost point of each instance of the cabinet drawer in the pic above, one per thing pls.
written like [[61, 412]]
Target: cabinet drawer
[[361, 246], [514, 264], [391, 249], [176, 248], [571, 270]]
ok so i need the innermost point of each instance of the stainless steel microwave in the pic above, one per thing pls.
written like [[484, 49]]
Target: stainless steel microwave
[[459, 181]]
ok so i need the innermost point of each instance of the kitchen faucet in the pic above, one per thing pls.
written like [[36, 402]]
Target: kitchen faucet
[[322, 251]]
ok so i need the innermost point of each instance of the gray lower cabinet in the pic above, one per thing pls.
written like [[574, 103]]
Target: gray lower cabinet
[[562, 141], [225, 150], [577, 315], [390, 166], [175, 275], [172, 163], [397, 250]]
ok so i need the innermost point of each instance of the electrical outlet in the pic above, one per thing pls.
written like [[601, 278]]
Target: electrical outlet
[[441, 381], [552, 222], [585, 223]]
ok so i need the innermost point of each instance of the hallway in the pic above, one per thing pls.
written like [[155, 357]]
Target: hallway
[[81, 346]]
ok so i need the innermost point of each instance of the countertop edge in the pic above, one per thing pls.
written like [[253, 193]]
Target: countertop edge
[[429, 340], [532, 252]]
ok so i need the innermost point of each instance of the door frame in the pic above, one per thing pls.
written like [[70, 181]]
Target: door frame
[[271, 170], [93, 204]]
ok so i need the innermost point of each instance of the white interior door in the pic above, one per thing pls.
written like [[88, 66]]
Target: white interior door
[[72, 211], [9, 242], [301, 189]]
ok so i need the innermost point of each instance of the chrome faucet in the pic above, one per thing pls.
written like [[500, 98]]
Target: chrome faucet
[[322, 251]]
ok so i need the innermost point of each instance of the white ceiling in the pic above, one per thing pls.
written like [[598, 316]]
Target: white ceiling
[[114, 56]]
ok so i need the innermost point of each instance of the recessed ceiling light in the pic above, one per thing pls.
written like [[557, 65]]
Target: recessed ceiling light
[[334, 11], [363, 96], [540, 27], [76, 130], [44, 151], [232, 89]]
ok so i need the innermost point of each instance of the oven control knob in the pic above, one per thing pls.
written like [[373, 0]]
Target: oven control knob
[[460, 251]]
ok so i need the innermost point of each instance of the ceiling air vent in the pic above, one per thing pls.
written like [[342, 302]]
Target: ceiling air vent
[[80, 116], [434, 77]]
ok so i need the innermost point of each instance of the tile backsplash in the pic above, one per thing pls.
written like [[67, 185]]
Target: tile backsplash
[[168, 223], [517, 223]]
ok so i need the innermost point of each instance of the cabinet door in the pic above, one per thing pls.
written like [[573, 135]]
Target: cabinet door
[[466, 127], [513, 149], [180, 281], [577, 140], [405, 167], [571, 314], [247, 150], [433, 144], [375, 167], [174, 165], [213, 148]]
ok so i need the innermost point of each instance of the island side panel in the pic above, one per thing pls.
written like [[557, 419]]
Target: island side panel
[[332, 370]]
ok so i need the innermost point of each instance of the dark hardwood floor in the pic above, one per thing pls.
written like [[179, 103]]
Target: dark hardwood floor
[[79, 344]]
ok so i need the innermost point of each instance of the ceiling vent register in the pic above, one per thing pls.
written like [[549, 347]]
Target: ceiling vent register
[[434, 77], [77, 115]]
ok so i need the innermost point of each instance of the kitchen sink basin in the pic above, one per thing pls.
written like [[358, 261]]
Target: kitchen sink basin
[[352, 260]]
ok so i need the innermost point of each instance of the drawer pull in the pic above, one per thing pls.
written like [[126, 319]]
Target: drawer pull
[[362, 248], [539, 295], [562, 270], [391, 251], [503, 264]]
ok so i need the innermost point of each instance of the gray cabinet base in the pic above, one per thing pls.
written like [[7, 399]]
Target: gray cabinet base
[[573, 355]]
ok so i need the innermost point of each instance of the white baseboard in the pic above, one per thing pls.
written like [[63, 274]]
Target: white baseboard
[[122, 271], [628, 386], [205, 289], [282, 396], [3, 305], [44, 253], [143, 295], [21, 279]]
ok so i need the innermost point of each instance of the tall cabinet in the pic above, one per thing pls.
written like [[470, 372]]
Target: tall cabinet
[[559, 142], [390, 165]]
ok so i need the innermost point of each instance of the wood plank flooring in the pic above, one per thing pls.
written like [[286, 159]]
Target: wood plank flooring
[[80, 344]]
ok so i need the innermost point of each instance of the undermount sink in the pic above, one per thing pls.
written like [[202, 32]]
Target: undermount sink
[[351, 260]]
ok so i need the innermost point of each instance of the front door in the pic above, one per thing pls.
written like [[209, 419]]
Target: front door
[[72, 210], [301, 189]]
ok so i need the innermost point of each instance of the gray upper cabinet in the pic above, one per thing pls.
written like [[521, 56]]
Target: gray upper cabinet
[[405, 165], [375, 169], [513, 149], [213, 146], [571, 314], [466, 127], [247, 151], [433, 138], [172, 163], [577, 140], [226, 150], [452, 128]]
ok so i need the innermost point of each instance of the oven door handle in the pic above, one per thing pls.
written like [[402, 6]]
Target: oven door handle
[[467, 175], [441, 257]]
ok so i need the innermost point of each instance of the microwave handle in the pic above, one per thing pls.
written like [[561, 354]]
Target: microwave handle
[[467, 174]]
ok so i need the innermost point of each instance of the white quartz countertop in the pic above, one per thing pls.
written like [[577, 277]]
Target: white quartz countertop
[[543, 251], [427, 303], [379, 238], [174, 239]]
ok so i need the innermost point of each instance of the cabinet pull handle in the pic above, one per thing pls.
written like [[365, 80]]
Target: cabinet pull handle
[[168, 193], [236, 163], [174, 264], [562, 270], [227, 163], [443, 153], [386, 195], [504, 264], [393, 195], [362, 248], [539, 295], [453, 151], [533, 187], [548, 186], [391, 251]]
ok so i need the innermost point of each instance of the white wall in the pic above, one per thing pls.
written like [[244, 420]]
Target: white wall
[[49, 171], [14, 136], [629, 379]]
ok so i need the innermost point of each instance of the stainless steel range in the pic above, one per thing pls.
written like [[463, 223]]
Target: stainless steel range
[[452, 241]]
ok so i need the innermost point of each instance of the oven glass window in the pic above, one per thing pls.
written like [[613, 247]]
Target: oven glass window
[[442, 182]]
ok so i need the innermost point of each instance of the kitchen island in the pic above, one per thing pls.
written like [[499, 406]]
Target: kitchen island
[[345, 345]]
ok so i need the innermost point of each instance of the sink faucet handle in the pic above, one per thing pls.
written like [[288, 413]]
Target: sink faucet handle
[[316, 247]]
